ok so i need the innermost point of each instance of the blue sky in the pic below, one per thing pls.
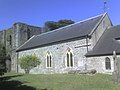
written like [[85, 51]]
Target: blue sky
[[36, 12]]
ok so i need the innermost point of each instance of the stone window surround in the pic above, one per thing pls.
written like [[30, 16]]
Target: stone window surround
[[48, 58], [107, 62], [69, 51]]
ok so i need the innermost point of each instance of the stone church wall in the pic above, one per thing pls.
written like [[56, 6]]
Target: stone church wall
[[58, 53], [98, 63]]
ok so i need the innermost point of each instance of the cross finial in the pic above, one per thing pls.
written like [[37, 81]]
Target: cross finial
[[105, 6]]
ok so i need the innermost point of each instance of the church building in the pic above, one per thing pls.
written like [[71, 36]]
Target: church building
[[85, 45]]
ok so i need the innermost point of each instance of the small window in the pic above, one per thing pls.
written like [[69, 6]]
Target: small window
[[28, 33], [69, 58], [49, 60], [104, 25], [108, 63], [10, 40]]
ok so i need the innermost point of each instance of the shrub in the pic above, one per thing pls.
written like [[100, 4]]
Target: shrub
[[29, 62]]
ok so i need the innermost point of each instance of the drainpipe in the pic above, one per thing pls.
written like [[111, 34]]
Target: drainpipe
[[87, 42], [114, 58], [87, 51], [17, 61]]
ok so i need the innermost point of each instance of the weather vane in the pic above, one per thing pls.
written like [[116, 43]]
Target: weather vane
[[105, 6]]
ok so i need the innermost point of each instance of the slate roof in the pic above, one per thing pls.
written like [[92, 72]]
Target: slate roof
[[107, 43], [78, 29]]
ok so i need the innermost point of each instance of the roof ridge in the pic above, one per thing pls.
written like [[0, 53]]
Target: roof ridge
[[73, 24]]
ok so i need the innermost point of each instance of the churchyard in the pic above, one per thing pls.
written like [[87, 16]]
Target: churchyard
[[14, 81]]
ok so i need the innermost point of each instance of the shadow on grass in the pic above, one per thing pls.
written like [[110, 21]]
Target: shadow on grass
[[7, 84], [5, 78], [14, 85]]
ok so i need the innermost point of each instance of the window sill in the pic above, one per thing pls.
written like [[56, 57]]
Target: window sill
[[48, 67]]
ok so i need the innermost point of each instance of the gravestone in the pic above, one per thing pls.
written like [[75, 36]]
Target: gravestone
[[116, 72], [8, 65]]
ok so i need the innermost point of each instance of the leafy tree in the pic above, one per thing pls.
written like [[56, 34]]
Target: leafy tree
[[2, 60], [65, 22], [28, 62], [51, 25]]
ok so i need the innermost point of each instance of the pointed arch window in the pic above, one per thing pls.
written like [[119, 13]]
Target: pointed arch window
[[69, 58], [107, 63], [49, 59]]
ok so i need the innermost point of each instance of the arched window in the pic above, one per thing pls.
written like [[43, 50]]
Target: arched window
[[49, 59], [107, 63], [69, 58]]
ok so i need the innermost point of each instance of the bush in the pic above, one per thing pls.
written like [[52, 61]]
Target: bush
[[29, 62]]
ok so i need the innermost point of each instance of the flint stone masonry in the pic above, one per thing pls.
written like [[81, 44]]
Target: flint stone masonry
[[58, 53], [59, 59], [98, 63]]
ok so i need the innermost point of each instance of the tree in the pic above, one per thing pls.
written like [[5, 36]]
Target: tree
[[2, 60], [51, 25], [28, 62], [65, 22]]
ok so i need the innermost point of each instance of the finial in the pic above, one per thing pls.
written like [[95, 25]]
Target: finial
[[105, 6]]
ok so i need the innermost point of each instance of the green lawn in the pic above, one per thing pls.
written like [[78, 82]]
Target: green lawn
[[57, 82]]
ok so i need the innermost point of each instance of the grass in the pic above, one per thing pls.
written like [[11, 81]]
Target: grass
[[58, 82]]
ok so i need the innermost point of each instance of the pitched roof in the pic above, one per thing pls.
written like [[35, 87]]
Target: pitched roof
[[76, 30], [107, 43]]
